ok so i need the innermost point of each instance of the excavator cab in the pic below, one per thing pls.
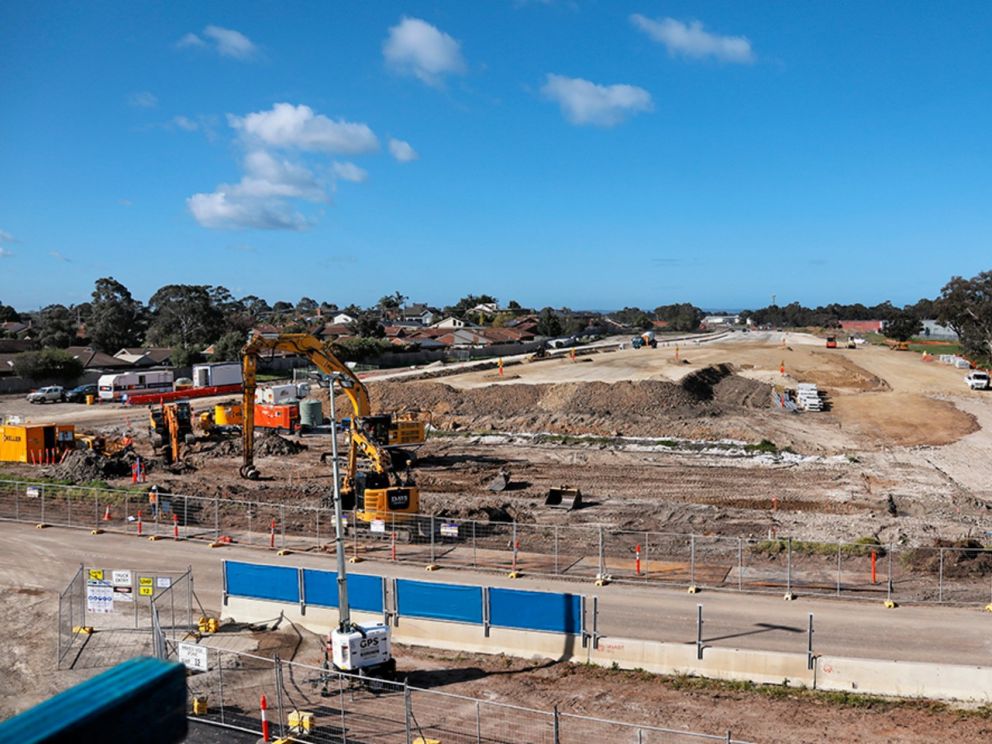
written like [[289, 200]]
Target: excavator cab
[[375, 498]]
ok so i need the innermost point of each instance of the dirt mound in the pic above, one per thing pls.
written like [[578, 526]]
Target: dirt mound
[[269, 444], [961, 558], [81, 466], [634, 406]]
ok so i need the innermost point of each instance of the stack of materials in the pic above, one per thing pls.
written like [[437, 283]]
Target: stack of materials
[[808, 397]]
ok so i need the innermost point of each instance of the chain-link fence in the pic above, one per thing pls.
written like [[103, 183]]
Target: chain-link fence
[[71, 616], [950, 573], [339, 707], [109, 614]]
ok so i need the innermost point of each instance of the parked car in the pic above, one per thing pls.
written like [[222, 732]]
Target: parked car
[[78, 394], [50, 394], [977, 380]]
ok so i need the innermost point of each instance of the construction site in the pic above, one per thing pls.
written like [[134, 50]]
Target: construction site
[[697, 444]]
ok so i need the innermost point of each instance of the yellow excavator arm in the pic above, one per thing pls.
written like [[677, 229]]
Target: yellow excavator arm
[[371, 436]]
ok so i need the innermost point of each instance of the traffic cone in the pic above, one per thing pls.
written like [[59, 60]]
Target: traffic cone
[[106, 514]]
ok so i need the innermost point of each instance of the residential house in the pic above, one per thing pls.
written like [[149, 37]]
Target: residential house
[[333, 331], [343, 319], [152, 356], [93, 359], [417, 313], [15, 328], [488, 309], [465, 337], [453, 322], [506, 335]]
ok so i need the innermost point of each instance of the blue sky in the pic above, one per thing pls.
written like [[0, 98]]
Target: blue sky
[[590, 154]]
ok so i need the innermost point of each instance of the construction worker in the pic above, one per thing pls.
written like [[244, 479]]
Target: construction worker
[[153, 500]]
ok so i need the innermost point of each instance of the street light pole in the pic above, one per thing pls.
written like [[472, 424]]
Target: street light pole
[[344, 612]]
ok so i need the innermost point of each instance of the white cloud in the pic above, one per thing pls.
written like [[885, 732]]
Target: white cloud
[[191, 40], [59, 257], [349, 172], [402, 151], [185, 123], [583, 102], [220, 210], [259, 200], [691, 40], [415, 47], [289, 126], [225, 41], [143, 99], [4, 253], [6, 237]]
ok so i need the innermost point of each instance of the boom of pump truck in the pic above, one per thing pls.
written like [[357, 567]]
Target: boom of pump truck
[[372, 484]]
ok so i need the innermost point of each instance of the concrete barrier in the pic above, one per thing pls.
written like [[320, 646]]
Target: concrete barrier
[[905, 678], [871, 676]]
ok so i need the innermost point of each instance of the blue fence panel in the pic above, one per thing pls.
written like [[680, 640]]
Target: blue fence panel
[[278, 583], [321, 588], [439, 601], [514, 608]]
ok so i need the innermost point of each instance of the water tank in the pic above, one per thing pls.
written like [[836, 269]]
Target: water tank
[[311, 413]]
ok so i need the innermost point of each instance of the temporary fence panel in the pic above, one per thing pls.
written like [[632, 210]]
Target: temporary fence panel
[[515, 608], [439, 601], [277, 583], [321, 588]]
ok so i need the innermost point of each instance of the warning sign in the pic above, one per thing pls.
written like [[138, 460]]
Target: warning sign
[[120, 578], [146, 581], [96, 574], [99, 599], [163, 582], [123, 594], [193, 656], [449, 529], [146, 591], [378, 525]]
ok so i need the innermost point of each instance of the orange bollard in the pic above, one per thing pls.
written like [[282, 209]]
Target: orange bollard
[[637, 560], [874, 560], [263, 705], [139, 524], [392, 547], [272, 535], [175, 526]]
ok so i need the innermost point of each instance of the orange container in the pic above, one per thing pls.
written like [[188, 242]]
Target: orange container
[[277, 416]]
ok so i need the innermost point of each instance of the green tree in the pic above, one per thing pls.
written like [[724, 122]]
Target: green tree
[[966, 306], [359, 349], [681, 317], [306, 305], [902, 327], [460, 309], [392, 302], [116, 319], [48, 364], [367, 325], [633, 317], [56, 327], [184, 316], [8, 313], [228, 347], [548, 323]]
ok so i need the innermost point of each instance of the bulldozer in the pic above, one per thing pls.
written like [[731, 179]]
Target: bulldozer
[[171, 428], [374, 482]]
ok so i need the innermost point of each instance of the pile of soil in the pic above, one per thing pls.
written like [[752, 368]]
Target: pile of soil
[[965, 557], [593, 407], [266, 445], [81, 466]]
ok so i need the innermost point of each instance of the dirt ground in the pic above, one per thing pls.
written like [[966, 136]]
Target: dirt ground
[[655, 443]]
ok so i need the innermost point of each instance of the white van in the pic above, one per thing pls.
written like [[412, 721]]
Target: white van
[[113, 386]]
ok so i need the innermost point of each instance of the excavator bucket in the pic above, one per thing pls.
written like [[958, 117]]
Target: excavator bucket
[[564, 497], [500, 482]]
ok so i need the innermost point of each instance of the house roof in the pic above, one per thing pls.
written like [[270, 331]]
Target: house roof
[[7, 364], [504, 335], [418, 308], [14, 345], [155, 354], [13, 326], [93, 359]]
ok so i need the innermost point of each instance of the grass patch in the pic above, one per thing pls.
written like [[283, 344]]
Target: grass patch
[[861, 547], [765, 446]]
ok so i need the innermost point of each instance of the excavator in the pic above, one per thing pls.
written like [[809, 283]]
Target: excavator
[[171, 426], [372, 484]]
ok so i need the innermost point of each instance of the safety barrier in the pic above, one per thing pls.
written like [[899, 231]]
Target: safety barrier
[[405, 598], [779, 565]]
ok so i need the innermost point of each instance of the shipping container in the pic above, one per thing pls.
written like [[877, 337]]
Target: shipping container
[[35, 443], [216, 374]]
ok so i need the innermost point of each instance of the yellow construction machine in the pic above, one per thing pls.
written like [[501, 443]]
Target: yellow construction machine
[[171, 426], [372, 484]]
